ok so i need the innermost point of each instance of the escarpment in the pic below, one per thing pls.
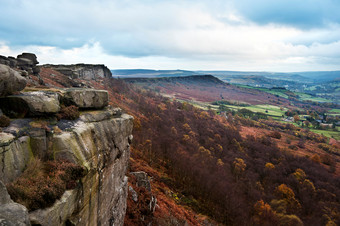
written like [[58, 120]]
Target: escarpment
[[84, 71], [46, 125]]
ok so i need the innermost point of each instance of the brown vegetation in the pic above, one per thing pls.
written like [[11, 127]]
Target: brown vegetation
[[222, 173], [70, 113], [4, 121], [44, 182]]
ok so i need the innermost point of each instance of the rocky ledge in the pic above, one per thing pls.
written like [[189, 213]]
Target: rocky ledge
[[99, 141], [84, 71]]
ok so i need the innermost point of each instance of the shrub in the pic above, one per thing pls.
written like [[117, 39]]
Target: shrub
[[4, 121], [301, 143], [42, 183], [275, 134], [316, 158], [70, 113], [293, 147]]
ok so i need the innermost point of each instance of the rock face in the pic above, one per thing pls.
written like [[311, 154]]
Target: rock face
[[11, 213], [10, 81], [42, 103], [14, 156], [30, 104], [84, 71], [86, 98], [99, 141], [103, 148]]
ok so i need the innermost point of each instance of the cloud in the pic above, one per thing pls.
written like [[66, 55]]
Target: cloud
[[175, 34], [304, 14]]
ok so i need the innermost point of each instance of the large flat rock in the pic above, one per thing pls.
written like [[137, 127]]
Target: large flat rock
[[30, 104], [10, 81], [86, 98]]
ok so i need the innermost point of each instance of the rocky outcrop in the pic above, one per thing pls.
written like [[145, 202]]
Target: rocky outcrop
[[83, 71], [10, 81], [27, 62], [30, 104], [42, 103], [103, 148], [86, 98], [99, 141], [11, 213]]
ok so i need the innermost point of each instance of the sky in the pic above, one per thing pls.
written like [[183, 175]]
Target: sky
[[242, 35]]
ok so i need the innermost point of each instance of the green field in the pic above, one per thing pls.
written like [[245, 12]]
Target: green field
[[304, 96], [270, 110], [327, 133], [273, 111], [335, 110], [282, 93], [271, 91]]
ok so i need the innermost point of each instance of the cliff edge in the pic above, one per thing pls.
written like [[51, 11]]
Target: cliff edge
[[98, 141]]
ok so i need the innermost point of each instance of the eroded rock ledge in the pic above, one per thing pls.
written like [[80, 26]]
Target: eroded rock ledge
[[99, 141], [84, 71]]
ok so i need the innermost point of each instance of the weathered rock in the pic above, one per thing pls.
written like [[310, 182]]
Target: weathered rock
[[18, 127], [103, 148], [26, 62], [142, 180], [14, 156], [11, 213], [99, 141], [4, 196], [84, 71], [96, 116], [134, 194], [30, 104], [10, 81], [4, 60], [86, 98], [38, 142], [30, 56]]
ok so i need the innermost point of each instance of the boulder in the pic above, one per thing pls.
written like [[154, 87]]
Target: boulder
[[30, 56], [11, 213], [10, 81], [28, 62], [96, 116], [30, 104], [25, 64], [4, 60], [142, 180], [86, 98]]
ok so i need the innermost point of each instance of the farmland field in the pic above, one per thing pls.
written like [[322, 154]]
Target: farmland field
[[327, 133]]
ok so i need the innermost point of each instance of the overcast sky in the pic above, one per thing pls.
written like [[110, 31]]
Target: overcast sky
[[244, 35]]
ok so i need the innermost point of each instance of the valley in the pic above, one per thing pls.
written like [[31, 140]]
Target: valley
[[207, 92]]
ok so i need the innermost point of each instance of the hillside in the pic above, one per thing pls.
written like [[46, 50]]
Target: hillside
[[190, 166], [204, 88], [269, 178], [322, 85]]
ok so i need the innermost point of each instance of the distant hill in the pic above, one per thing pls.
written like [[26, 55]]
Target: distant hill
[[149, 73], [224, 75], [193, 79], [205, 88], [301, 77], [321, 75]]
